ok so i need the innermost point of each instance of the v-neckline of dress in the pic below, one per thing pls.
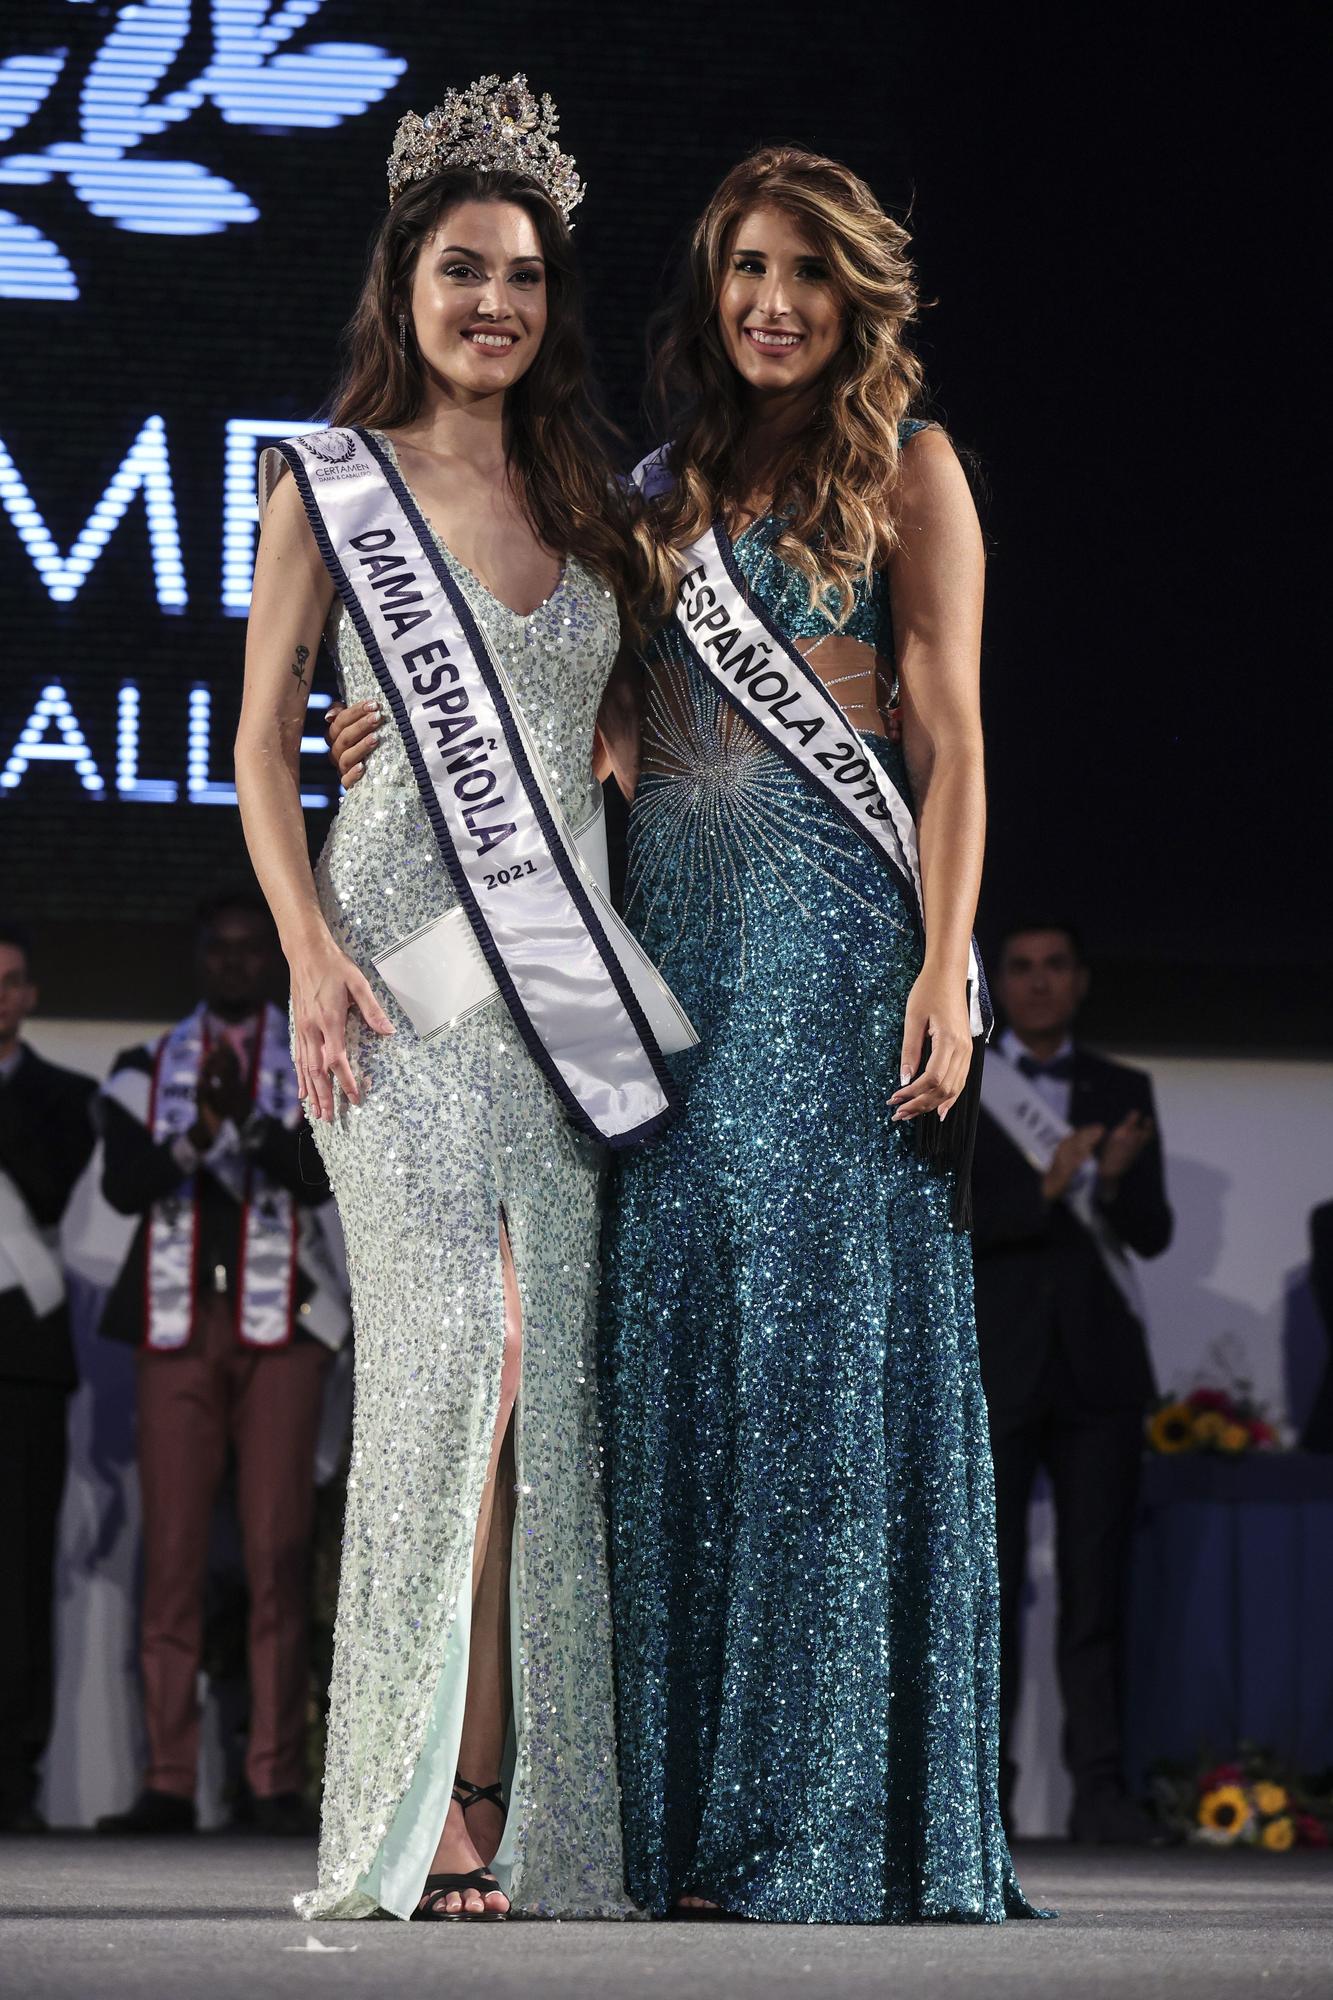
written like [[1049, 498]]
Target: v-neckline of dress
[[521, 616]]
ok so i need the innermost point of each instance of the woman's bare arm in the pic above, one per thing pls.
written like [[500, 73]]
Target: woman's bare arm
[[936, 583], [290, 602]]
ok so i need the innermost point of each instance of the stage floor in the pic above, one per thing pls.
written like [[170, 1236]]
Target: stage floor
[[210, 1919]]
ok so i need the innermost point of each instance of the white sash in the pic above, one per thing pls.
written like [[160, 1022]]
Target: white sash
[[438, 975], [544, 941], [765, 678], [1029, 1122], [29, 1256], [266, 1277]]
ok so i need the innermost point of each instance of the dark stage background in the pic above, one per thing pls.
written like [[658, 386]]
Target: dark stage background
[[1107, 209]]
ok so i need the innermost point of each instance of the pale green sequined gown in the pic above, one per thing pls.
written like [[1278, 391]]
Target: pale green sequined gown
[[451, 1133]]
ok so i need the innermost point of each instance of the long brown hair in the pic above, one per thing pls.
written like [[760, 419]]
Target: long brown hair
[[837, 482], [556, 438]]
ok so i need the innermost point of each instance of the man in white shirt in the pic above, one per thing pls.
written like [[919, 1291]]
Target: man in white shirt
[[206, 1145]]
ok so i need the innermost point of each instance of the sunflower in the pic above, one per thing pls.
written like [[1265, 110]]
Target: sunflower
[[1235, 1437], [1208, 1428], [1224, 1812], [1279, 1835], [1269, 1799], [1172, 1428]]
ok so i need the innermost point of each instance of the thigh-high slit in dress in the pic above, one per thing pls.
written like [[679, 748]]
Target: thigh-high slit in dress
[[454, 1136]]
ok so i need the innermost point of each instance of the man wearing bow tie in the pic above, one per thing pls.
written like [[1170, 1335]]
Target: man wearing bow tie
[[1067, 1178]]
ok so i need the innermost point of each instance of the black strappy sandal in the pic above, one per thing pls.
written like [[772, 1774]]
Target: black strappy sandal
[[437, 1887], [469, 1795]]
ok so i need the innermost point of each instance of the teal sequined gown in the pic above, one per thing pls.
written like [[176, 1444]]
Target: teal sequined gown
[[799, 1475]]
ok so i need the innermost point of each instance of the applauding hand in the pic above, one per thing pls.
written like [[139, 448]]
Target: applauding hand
[[222, 1091], [1123, 1146], [1069, 1159]]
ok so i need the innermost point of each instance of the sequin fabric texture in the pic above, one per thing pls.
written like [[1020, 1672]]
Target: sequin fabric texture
[[449, 1133], [802, 1508]]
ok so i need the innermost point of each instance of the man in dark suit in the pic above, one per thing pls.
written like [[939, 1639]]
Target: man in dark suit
[[222, 1295], [46, 1137], [1064, 1357]]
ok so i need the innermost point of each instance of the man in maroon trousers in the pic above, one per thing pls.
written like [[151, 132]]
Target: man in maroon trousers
[[225, 1296]]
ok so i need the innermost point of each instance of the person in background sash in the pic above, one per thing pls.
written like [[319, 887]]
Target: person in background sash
[[233, 1305], [46, 1138], [1067, 1177]]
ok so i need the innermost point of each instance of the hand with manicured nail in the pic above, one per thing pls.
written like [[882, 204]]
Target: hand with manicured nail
[[326, 985], [352, 734], [936, 1015]]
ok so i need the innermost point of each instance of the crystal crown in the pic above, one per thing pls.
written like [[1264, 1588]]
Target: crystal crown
[[488, 125]]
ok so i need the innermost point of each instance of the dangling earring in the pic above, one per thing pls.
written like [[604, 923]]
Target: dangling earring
[[402, 334]]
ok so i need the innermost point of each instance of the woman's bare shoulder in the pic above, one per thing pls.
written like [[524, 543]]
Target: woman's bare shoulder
[[933, 486]]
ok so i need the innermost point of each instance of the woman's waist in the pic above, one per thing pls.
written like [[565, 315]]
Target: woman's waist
[[769, 873], [747, 788], [381, 873], [388, 799], [565, 742]]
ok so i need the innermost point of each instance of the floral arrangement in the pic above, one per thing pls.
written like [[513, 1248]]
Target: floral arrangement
[[1219, 1420], [1251, 1801]]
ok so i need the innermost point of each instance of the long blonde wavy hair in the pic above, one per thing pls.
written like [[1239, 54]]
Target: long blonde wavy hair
[[837, 482]]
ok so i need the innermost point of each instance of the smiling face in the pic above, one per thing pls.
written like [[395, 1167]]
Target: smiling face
[[479, 297], [781, 319]]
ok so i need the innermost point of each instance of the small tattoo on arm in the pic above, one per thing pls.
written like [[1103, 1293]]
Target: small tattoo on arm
[[298, 664]]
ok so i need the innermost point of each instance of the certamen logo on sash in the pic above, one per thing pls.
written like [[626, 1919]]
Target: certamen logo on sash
[[331, 446], [335, 452]]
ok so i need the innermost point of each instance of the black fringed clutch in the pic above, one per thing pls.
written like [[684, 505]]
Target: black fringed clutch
[[947, 1144]]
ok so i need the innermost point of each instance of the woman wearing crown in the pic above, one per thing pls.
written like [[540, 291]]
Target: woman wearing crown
[[465, 1026]]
